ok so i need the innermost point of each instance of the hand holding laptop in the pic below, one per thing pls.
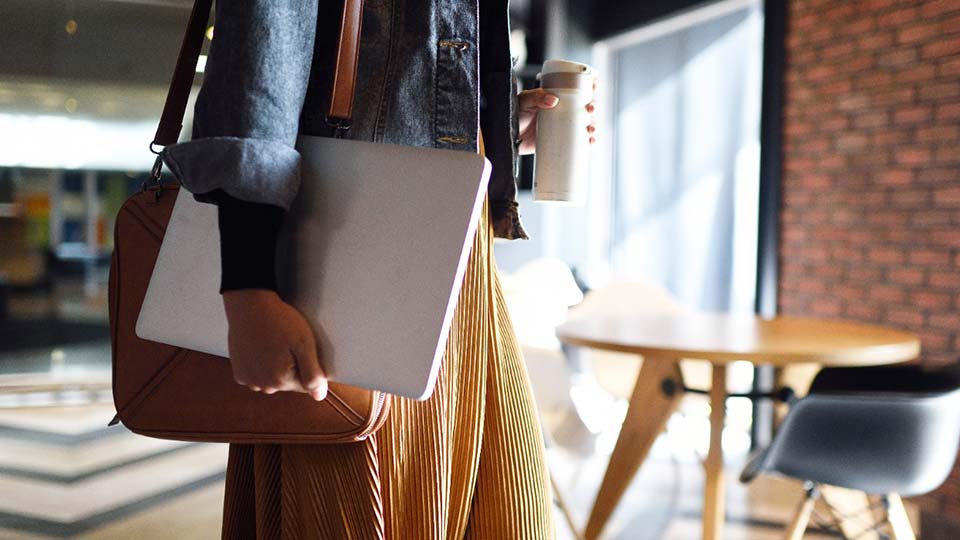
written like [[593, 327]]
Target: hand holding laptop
[[352, 257], [272, 347]]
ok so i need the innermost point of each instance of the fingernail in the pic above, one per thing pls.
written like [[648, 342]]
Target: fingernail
[[550, 99]]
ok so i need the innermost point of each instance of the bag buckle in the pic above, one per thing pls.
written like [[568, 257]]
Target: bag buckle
[[154, 183], [340, 125]]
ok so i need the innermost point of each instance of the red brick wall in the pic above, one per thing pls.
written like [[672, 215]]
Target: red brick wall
[[871, 180]]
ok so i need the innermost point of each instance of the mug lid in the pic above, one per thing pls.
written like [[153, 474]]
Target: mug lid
[[565, 66]]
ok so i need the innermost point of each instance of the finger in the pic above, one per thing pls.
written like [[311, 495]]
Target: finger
[[537, 98], [593, 140], [254, 387], [591, 128], [528, 98], [548, 101], [271, 382], [290, 382], [591, 106], [310, 374]]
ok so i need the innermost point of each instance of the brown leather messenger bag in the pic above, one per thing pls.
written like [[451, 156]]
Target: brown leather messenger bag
[[168, 392]]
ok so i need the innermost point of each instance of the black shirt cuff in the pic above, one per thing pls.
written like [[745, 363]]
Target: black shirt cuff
[[248, 242]]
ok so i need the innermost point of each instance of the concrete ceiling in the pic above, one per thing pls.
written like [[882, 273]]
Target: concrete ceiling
[[82, 82], [116, 65], [81, 99], [117, 42]]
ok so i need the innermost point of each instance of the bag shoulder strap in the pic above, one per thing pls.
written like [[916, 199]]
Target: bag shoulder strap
[[341, 91]]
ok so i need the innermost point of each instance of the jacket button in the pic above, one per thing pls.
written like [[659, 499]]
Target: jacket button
[[460, 45]]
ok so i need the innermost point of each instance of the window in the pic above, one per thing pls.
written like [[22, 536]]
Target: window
[[680, 202]]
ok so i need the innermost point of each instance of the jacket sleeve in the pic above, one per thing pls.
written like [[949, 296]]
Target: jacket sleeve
[[241, 155], [500, 123]]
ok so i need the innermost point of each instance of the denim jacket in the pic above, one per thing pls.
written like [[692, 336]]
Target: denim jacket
[[430, 73]]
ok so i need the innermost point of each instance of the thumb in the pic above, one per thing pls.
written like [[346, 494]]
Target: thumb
[[548, 100], [308, 366], [537, 98]]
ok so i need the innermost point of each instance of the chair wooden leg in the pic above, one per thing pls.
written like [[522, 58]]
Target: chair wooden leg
[[564, 509], [798, 525], [897, 517], [849, 508]]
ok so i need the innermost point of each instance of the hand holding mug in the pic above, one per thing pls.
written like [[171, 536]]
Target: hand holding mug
[[530, 103]]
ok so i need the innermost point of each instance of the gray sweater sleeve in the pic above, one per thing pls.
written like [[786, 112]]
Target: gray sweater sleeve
[[247, 113]]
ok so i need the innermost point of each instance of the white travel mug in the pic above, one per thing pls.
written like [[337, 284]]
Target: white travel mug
[[561, 165]]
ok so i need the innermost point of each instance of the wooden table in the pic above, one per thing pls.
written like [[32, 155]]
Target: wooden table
[[719, 339]]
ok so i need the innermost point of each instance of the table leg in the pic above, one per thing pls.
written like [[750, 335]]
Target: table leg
[[650, 408], [713, 507]]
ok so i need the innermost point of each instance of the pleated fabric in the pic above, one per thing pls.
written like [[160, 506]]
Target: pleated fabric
[[467, 463]]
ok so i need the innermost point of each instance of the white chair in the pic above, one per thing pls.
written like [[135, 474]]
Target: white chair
[[616, 372], [538, 295]]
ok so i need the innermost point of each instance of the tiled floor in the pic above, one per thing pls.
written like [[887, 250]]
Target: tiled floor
[[665, 498], [65, 474]]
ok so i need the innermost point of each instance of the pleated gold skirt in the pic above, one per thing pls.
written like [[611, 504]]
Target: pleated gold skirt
[[466, 463]]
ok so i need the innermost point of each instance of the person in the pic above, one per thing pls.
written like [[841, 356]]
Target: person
[[469, 461]]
